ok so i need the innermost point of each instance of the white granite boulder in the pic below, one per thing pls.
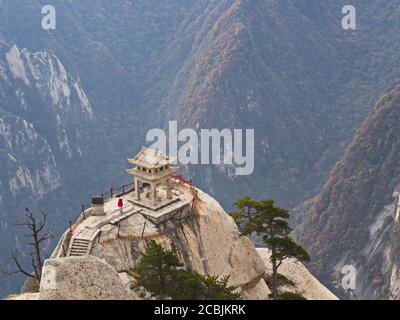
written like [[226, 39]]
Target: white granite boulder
[[81, 278], [305, 283]]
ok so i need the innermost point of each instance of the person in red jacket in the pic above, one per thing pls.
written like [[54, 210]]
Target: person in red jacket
[[120, 203]]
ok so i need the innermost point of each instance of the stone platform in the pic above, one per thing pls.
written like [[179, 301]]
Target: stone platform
[[146, 202], [90, 228], [149, 204], [177, 207]]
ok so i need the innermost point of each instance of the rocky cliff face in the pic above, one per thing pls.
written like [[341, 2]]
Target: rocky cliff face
[[355, 219], [36, 87], [43, 112], [207, 241]]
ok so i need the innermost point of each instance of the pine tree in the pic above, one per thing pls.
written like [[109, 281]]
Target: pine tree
[[156, 269], [217, 289], [193, 286], [270, 222], [245, 214], [161, 274]]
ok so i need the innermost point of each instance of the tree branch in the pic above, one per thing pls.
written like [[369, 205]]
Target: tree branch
[[47, 236], [42, 223], [35, 270], [20, 269], [36, 227]]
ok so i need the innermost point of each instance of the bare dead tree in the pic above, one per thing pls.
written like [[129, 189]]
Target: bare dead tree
[[37, 234]]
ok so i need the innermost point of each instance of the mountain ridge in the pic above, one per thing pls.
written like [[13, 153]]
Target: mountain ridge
[[354, 221]]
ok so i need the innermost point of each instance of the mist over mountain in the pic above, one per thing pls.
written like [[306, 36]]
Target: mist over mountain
[[112, 70]]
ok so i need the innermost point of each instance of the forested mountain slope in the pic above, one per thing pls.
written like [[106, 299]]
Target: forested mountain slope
[[355, 219]]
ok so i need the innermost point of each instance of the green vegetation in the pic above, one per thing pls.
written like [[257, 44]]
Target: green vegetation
[[291, 296], [160, 273], [269, 222], [281, 280]]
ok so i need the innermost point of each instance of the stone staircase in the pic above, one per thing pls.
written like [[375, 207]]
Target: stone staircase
[[79, 247], [82, 242]]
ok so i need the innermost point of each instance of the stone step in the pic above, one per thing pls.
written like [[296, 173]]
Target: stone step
[[81, 241], [80, 244], [73, 254], [79, 247], [74, 246], [78, 250]]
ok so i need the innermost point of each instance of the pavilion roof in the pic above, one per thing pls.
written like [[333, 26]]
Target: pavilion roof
[[150, 158]]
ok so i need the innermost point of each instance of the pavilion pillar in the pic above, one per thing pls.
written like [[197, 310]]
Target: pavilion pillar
[[169, 193], [137, 190], [154, 192]]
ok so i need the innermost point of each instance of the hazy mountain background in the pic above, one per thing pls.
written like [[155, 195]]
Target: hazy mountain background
[[111, 70], [355, 219]]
